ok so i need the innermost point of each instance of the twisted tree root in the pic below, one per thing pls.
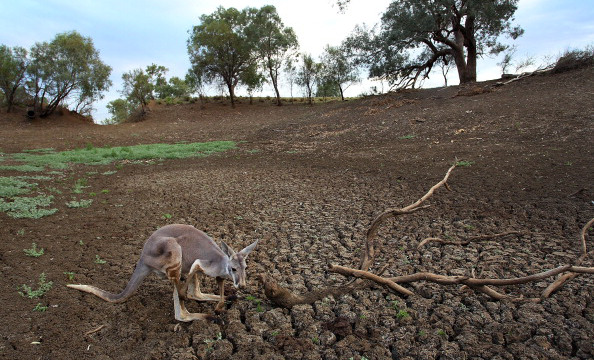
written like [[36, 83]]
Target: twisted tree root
[[283, 297]]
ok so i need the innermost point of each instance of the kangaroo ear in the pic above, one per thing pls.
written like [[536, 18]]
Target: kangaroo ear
[[227, 249], [248, 249]]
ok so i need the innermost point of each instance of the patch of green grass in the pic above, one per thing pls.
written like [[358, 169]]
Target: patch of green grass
[[12, 186], [27, 207], [22, 168], [91, 155], [44, 286], [79, 204], [33, 251]]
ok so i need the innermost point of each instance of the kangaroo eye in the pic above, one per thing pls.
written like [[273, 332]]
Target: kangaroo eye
[[234, 269]]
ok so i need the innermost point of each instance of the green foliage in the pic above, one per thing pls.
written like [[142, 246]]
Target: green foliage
[[98, 260], [275, 43], [175, 88], [308, 74], [339, 70], [464, 163], [415, 36], [13, 67], [120, 110], [44, 287], [221, 49], [40, 307], [11, 187], [79, 204], [104, 156], [27, 207], [68, 67], [70, 275], [33, 251]]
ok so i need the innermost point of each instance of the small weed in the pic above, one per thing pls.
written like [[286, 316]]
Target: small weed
[[21, 232], [465, 163], [568, 163], [44, 287], [79, 204], [256, 301], [209, 342], [40, 308], [441, 332], [422, 333], [70, 275], [407, 137], [315, 340], [104, 191], [33, 251], [468, 227], [166, 216], [402, 314], [98, 260], [80, 242], [79, 185], [107, 173]]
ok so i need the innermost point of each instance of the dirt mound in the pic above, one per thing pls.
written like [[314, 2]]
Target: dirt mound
[[308, 181]]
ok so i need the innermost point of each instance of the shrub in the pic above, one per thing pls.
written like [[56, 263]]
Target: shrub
[[574, 59]]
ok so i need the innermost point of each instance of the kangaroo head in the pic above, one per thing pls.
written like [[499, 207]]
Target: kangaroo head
[[236, 265]]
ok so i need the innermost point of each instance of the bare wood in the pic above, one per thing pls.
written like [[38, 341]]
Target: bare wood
[[567, 277], [94, 330], [370, 246], [362, 274]]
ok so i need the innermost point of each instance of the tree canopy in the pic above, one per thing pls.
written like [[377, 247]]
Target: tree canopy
[[67, 68], [13, 67], [274, 43], [416, 35], [220, 48]]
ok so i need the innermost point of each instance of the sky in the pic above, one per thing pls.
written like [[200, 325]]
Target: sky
[[131, 34]]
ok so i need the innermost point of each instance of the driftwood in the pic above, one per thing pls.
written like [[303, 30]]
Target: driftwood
[[285, 298]]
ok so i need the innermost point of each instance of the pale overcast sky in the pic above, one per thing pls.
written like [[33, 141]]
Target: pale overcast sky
[[133, 34]]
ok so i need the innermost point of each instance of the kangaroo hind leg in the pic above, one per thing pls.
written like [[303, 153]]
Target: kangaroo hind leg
[[169, 261]]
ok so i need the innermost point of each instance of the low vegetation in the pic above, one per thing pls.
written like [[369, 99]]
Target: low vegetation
[[12, 189]]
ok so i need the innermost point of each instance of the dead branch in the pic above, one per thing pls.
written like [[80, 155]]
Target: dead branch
[[566, 277], [283, 297]]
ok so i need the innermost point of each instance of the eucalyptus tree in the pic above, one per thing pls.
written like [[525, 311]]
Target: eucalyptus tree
[[67, 68], [221, 48], [274, 43], [13, 67], [416, 35], [339, 68], [308, 75]]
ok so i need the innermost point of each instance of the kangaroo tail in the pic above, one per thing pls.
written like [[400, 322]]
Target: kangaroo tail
[[138, 275]]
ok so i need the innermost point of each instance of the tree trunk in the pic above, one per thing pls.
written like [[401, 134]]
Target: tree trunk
[[275, 85], [231, 88]]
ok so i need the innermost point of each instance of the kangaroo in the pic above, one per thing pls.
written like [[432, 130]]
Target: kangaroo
[[179, 253]]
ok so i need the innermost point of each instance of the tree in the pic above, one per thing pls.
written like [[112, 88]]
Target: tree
[[175, 88], [13, 66], [68, 67], [275, 43], [138, 88], [120, 110], [156, 77], [415, 35], [220, 48], [307, 75], [339, 68]]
